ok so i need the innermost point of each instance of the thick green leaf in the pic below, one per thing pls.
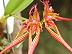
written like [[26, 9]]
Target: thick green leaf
[[15, 6]]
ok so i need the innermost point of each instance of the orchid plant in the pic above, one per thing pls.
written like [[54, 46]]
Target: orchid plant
[[32, 27]]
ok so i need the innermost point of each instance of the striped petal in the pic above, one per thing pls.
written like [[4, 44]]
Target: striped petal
[[15, 42], [34, 43], [58, 38]]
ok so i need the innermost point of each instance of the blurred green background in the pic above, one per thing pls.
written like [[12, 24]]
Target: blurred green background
[[47, 45]]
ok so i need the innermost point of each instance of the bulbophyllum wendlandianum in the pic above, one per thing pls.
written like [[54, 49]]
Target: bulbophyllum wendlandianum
[[33, 26]]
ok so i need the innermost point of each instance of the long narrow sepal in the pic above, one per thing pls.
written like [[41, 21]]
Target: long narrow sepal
[[15, 42], [59, 39], [34, 43], [30, 37], [20, 33], [64, 19]]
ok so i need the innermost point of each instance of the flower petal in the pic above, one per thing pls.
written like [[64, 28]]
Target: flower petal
[[20, 33], [34, 43], [30, 37], [15, 42], [63, 19], [59, 39]]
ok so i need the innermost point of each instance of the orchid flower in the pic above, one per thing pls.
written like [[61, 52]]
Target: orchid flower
[[34, 29], [30, 27], [51, 27]]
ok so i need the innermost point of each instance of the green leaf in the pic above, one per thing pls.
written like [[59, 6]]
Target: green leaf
[[15, 6]]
